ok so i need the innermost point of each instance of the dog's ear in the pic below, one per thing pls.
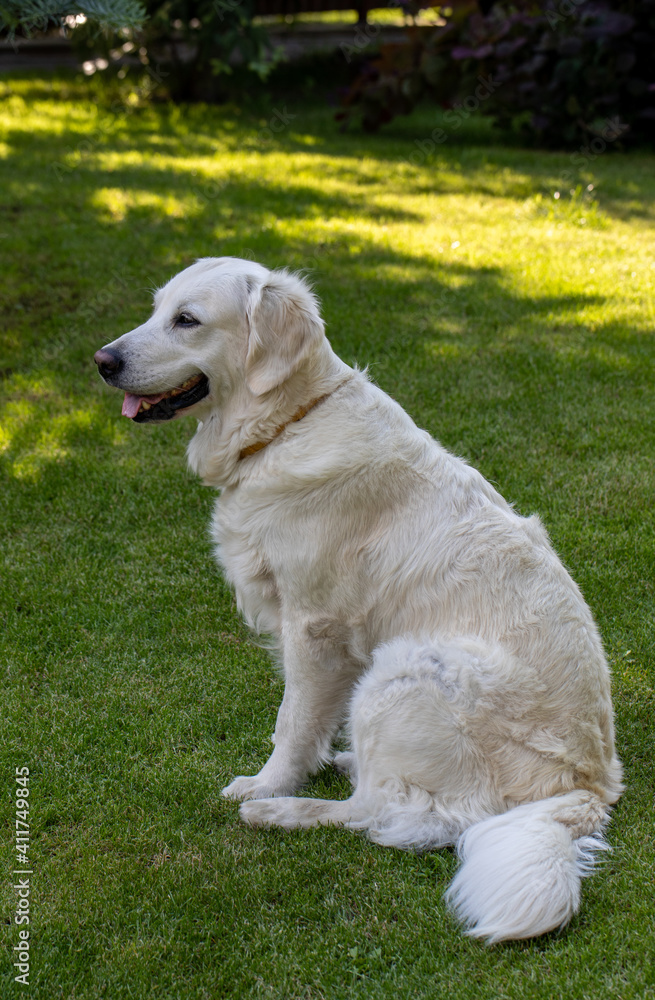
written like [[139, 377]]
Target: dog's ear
[[284, 327]]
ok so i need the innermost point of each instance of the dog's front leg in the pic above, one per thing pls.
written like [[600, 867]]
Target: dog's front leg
[[318, 679]]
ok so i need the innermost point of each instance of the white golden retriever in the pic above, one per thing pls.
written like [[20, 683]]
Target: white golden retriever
[[403, 593]]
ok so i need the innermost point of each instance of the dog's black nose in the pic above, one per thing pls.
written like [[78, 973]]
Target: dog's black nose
[[109, 362]]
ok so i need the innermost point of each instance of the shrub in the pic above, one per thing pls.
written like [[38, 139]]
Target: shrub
[[195, 43], [567, 71], [25, 17], [189, 48]]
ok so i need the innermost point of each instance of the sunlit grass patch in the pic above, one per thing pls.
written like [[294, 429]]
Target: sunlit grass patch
[[576, 206], [39, 425], [116, 203]]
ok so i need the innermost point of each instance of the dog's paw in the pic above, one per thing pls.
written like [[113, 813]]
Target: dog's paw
[[245, 787], [264, 812]]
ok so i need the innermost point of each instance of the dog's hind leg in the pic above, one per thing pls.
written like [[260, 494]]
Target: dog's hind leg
[[422, 777], [295, 813], [420, 780]]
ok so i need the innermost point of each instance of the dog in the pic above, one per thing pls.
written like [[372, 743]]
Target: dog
[[403, 595]]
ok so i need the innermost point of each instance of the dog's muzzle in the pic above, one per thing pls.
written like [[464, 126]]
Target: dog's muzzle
[[151, 407]]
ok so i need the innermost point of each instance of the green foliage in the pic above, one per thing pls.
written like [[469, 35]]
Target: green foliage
[[188, 45], [193, 43], [569, 72], [29, 16]]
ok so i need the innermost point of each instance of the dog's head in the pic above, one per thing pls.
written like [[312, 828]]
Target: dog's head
[[221, 324]]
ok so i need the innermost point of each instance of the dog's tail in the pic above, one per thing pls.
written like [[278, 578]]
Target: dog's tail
[[521, 871]]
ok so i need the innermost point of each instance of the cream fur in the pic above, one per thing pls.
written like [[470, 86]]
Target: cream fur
[[404, 595]]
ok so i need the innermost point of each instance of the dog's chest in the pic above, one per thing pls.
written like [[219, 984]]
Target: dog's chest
[[241, 554], [283, 561]]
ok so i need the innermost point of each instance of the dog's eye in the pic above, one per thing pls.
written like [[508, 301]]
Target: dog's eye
[[186, 319]]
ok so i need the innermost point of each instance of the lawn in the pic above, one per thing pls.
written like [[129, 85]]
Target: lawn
[[516, 326]]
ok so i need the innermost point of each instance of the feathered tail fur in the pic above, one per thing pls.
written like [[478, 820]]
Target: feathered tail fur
[[521, 871]]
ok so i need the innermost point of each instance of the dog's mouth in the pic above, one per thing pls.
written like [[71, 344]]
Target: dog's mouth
[[166, 405]]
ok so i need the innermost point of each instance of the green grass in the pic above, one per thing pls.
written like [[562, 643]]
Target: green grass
[[521, 336], [379, 15]]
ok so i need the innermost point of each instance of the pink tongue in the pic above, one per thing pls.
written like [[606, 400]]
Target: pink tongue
[[132, 403]]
